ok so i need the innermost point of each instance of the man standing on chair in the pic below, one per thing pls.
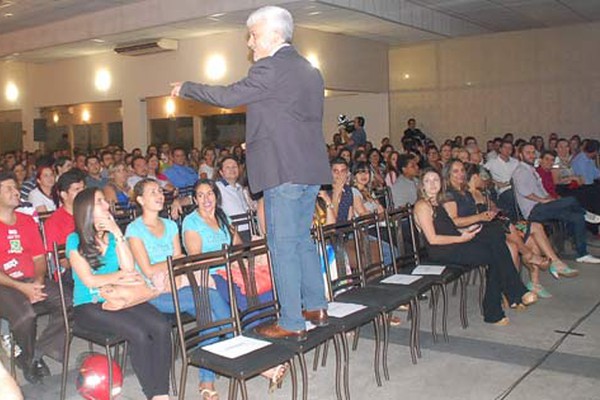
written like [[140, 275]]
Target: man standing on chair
[[286, 159]]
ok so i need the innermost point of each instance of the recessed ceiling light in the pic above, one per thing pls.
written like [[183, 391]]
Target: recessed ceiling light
[[8, 14], [217, 15], [96, 40], [314, 13]]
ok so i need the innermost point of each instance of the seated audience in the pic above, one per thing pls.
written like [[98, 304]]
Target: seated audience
[[404, 191], [392, 168], [537, 206], [501, 169], [25, 290], [447, 244], [207, 164], [94, 173], [235, 199], [344, 203], [99, 255], [584, 163], [117, 190], [41, 198], [179, 174]]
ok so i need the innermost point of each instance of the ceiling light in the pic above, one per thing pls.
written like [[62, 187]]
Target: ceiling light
[[215, 67], [103, 80], [11, 92], [8, 15], [55, 118], [97, 40], [217, 15], [406, 76], [85, 116], [314, 13]]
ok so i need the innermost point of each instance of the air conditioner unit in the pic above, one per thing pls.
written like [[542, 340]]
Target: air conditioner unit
[[151, 46]]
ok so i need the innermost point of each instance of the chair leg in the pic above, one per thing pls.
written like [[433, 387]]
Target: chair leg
[[304, 372], [325, 353], [434, 300], [65, 366], [376, 325], [173, 359], [417, 327], [183, 378], [110, 372], [386, 341], [244, 390], [356, 336], [316, 357], [455, 288], [463, 302], [444, 312], [346, 353], [338, 369], [13, 370], [413, 322], [124, 357], [294, 376], [232, 384]]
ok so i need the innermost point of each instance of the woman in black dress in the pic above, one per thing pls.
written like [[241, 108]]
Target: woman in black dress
[[447, 244]]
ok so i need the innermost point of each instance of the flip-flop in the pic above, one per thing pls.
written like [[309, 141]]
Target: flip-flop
[[208, 394], [278, 376]]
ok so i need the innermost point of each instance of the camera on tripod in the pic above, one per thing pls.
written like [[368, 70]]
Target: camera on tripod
[[346, 123]]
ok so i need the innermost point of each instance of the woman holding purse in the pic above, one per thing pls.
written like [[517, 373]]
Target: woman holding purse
[[100, 257]]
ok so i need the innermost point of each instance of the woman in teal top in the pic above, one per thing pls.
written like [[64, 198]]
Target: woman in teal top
[[99, 255], [208, 229]]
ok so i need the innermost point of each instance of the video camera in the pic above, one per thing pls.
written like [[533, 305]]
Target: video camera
[[346, 123]]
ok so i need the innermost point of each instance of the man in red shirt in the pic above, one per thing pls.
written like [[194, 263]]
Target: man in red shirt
[[61, 223], [544, 170], [25, 290]]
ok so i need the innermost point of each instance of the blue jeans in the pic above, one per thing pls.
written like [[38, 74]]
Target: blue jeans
[[219, 308], [566, 209], [289, 211]]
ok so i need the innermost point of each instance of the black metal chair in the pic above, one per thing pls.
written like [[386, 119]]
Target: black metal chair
[[123, 213], [263, 308], [107, 341], [192, 336]]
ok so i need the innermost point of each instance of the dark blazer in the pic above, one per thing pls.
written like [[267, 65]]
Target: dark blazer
[[284, 138]]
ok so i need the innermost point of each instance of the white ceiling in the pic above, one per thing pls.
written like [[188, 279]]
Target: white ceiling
[[395, 22]]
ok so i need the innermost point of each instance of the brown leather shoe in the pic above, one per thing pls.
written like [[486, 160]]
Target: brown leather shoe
[[317, 317], [274, 331]]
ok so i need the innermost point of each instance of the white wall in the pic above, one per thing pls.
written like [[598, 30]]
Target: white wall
[[529, 82], [372, 106], [71, 81]]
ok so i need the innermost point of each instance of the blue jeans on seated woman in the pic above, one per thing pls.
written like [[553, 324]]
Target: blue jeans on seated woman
[[219, 308]]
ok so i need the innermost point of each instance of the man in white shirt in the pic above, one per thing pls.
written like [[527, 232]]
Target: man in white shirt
[[233, 196], [501, 168], [537, 206]]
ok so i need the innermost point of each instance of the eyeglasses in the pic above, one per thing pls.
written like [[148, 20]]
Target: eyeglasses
[[362, 171]]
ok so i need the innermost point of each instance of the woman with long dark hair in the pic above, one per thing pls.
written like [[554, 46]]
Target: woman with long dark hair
[[207, 229], [99, 255], [447, 244]]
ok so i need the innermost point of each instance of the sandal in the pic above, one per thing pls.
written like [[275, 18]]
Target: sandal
[[278, 376], [566, 271], [395, 320], [208, 394], [536, 261]]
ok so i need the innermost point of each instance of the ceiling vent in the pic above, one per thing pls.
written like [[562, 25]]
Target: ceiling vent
[[150, 46]]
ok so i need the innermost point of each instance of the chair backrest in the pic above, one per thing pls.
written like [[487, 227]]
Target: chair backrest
[[339, 240], [367, 231], [253, 283], [43, 216], [401, 229], [123, 213], [248, 219], [197, 270], [384, 196], [54, 261]]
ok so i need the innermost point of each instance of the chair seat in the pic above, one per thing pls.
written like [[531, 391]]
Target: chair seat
[[314, 337], [246, 366], [384, 299]]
